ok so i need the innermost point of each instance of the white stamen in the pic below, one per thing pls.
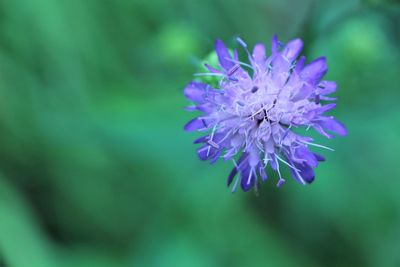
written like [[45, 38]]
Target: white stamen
[[318, 145], [235, 184], [213, 144], [209, 74], [299, 176], [279, 172], [239, 62], [211, 137], [241, 42], [250, 173], [292, 167]]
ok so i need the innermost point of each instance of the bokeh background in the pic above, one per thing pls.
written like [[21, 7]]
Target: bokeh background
[[96, 170]]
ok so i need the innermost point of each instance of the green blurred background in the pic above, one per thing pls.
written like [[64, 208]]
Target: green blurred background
[[95, 169]]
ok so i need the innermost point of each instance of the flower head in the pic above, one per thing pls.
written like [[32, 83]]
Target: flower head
[[251, 116]]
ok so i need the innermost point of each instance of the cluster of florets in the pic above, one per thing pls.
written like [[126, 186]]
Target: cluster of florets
[[250, 117]]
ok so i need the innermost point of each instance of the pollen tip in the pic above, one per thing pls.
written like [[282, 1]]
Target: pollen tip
[[241, 42], [254, 89], [280, 182]]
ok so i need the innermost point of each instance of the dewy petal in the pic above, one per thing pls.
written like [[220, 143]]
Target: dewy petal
[[223, 55], [333, 125], [195, 124], [292, 49], [314, 71]]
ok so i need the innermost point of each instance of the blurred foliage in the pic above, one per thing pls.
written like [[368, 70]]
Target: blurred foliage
[[95, 169]]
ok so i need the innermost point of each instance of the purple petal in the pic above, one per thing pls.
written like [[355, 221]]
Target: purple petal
[[211, 69], [274, 164], [319, 157], [305, 173], [333, 125], [259, 53], [263, 174], [240, 164], [274, 44], [194, 91], [202, 139], [191, 108], [215, 157], [300, 64], [314, 71], [325, 108], [207, 152], [292, 49], [321, 130], [304, 92], [223, 55], [247, 179], [231, 176], [235, 55], [195, 125], [327, 87], [309, 158]]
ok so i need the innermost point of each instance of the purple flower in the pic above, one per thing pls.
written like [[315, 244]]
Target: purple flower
[[251, 117]]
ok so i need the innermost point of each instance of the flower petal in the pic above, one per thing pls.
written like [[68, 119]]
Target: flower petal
[[319, 157], [207, 152], [202, 139], [314, 71], [232, 174], [325, 108], [308, 157], [239, 165], [305, 173], [300, 64], [223, 55], [274, 44], [292, 49], [247, 178], [333, 125], [195, 125], [259, 54], [263, 173], [327, 87], [194, 91]]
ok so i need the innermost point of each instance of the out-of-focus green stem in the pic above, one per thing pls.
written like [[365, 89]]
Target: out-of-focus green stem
[[22, 243]]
